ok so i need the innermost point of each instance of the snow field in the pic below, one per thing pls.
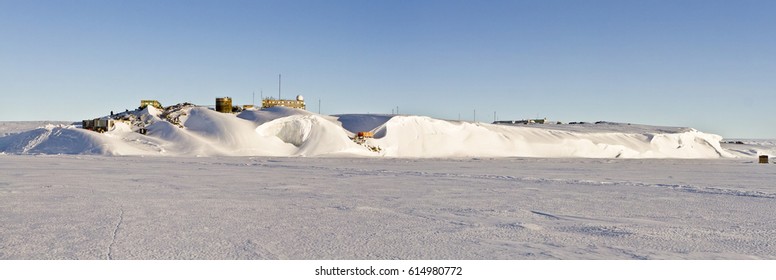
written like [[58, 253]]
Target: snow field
[[93, 207]]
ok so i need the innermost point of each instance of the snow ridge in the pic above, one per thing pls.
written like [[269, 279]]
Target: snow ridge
[[189, 130]]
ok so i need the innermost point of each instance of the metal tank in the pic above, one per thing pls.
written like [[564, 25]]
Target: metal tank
[[224, 104]]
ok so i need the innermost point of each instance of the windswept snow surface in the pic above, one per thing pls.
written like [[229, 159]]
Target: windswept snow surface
[[188, 130], [98, 207], [411, 136], [750, 147], [8, 128]]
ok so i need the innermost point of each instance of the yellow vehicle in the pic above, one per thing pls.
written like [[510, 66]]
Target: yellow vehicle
[[365, 134]]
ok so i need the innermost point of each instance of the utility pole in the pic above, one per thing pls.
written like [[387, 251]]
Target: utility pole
[[253, 97], [279, 87], [319, 106]]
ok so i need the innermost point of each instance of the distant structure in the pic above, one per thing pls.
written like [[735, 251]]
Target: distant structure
[[271, 102], [533, 121], [224, 104], [98, 125], [152, 103], [361, 137]]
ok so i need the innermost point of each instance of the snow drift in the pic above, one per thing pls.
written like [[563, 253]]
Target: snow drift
[[188, 130], [413, 136]]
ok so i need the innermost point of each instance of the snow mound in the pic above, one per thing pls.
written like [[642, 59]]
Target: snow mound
[[189, 130], [65, 140], [750, 147], [9, 128], [262, 116], [312, 135], [228, 135], [416, 136]]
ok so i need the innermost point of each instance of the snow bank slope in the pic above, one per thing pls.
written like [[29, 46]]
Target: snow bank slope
[[229, 135], [262, 116], [415, 136], [66, 140], [14, 127], [312, 135], [188, 130]]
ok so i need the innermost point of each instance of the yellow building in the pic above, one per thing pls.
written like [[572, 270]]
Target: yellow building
[[152, 103], [298, 103]]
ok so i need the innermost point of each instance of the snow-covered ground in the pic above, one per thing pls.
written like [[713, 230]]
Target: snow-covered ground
[[750, 147], [188, 130], [290, 184], [97, 207]]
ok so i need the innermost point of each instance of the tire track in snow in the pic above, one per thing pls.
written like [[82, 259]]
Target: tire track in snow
[[251, 250], [549, 216], [115, 231]]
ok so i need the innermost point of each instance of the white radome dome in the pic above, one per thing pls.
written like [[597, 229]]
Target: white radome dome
[[299, 98]]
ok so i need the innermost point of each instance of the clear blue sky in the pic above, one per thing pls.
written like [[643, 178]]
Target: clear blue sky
[[704, 64]]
